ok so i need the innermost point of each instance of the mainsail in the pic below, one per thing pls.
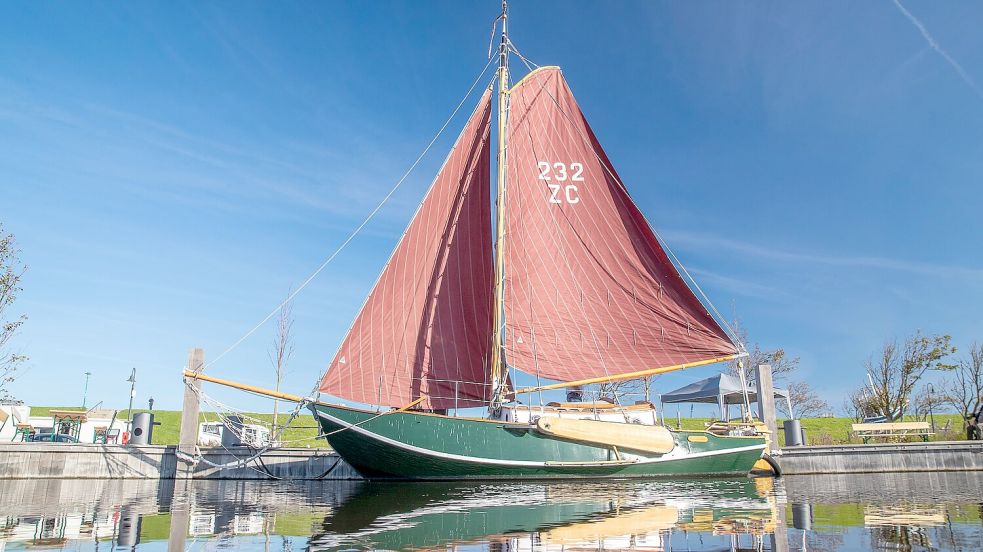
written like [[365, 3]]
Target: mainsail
[[589, 290], [424, 329]]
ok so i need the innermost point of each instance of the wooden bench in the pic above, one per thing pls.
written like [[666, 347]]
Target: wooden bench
[[898, 429]]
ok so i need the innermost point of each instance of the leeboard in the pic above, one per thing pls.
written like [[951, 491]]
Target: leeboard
[[639, 437]]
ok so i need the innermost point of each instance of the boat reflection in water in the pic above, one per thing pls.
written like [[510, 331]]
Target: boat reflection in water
[[831, 513], [547, 516]]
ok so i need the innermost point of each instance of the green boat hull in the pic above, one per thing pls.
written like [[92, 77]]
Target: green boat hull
[[412, 445]]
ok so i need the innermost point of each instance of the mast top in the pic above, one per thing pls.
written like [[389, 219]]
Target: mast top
[[503, 49]]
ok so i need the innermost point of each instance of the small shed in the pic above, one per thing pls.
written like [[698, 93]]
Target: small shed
[[722, 390]]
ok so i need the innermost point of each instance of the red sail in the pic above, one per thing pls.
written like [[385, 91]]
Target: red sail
[[589, 290], [424, 329]]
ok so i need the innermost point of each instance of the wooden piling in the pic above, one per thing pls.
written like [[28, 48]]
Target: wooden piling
[[180, 515], [187, 444], [766, 403], [779, 537]]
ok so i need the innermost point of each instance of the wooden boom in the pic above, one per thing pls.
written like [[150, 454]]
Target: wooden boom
[[243, 386], [627, 376], [272, 393]]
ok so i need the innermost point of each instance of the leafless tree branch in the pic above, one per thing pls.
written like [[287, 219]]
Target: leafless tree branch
[[280, 355], [11, 272]]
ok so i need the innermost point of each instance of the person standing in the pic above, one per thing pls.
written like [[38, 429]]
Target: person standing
[[972, 428]]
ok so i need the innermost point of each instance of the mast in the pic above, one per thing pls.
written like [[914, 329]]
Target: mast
[[498, 308]]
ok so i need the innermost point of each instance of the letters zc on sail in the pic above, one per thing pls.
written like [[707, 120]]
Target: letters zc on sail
[[590, 292]]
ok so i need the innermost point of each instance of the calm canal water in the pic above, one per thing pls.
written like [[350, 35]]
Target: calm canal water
[[930, 511]]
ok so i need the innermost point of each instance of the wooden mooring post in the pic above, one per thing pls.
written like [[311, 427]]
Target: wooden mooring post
[[180, 515], [188, 441], [766, 403]]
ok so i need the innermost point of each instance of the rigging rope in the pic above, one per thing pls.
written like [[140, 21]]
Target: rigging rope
[[358, 228], [272, 443]]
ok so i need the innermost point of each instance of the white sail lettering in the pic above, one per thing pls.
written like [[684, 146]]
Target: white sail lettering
[[578, 172], [561, 171], [570, 192], [573, 196], [555, 188]]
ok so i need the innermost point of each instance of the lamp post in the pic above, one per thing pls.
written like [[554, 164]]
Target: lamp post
[[931, 403], [133, 393], [85, 389]]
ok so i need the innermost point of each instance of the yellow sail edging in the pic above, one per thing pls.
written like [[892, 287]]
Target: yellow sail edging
[[531, 73]]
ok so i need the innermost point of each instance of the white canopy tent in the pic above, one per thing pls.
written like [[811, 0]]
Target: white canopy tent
[[722, 389]]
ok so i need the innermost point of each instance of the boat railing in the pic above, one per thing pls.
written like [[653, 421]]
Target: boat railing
[[447, 391], [461, 394]]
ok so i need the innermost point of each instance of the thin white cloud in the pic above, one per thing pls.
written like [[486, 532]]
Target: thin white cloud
[[737, 285], [703, 241], [935, 46]]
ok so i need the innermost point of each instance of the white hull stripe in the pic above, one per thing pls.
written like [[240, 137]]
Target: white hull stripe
[[523, 463]]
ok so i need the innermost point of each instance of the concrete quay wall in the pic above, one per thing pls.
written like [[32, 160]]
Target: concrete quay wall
[[883, 457], [86, 461]]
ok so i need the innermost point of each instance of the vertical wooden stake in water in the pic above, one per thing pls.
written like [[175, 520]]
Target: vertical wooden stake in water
[[779, 537], [180, 516], [189, 416], [766, 403]]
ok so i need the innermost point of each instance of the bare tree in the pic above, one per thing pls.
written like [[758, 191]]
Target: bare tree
[[648, 385], [11, 271], [280, 355], [897, 370], [615, 391], [964, 390], [927, 400], [805, 401], [625, 391], [859, 405], [782, 364]]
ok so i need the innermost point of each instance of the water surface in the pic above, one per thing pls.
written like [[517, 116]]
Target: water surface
[[889, 512]]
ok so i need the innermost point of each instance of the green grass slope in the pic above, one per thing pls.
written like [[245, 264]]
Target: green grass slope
[[303, 431]]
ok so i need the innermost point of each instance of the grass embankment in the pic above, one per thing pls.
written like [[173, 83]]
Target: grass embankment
[[303, 432], [837, 431]]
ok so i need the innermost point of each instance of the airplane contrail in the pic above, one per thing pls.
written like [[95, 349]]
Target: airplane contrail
[[935, 46]]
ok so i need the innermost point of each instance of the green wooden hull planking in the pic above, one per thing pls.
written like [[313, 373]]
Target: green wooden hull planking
[[412, 445]]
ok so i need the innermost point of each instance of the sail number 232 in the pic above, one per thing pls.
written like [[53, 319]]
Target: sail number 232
[[562, 172]]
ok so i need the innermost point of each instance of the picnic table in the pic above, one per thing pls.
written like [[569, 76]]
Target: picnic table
[[67, 422], [23, 432], [897, 429]]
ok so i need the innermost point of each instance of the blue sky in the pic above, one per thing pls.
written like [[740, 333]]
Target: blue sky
[[172, 170]]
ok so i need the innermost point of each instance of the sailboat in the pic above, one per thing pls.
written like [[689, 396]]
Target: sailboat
[[565, 281]]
